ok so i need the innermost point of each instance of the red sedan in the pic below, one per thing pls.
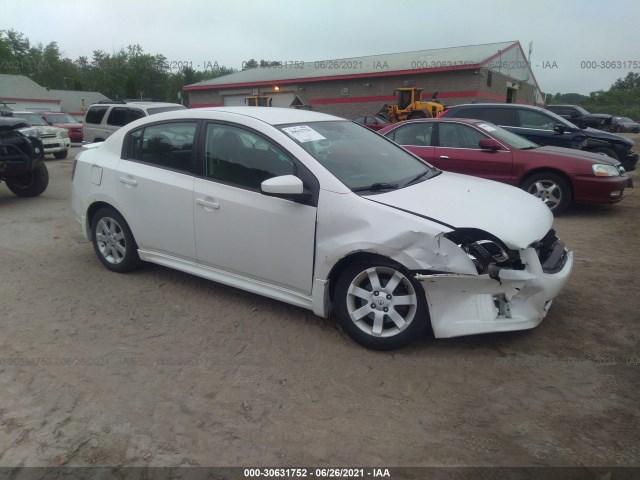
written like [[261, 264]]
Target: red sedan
[[374, 123], [64, 120], [474, 147]]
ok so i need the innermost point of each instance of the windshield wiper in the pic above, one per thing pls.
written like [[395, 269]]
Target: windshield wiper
[[376, 187], [418, 177], [530, 148]]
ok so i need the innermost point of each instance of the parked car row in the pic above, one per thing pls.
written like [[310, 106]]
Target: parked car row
[[546, 128], [583, 119], [556, 175]]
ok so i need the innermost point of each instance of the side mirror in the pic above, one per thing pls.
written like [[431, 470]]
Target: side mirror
[[50, 123], [284, 186], [489, 144], [559, 128]]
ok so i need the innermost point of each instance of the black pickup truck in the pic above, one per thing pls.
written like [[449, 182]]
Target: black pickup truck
[[582, 118], [22, 164]]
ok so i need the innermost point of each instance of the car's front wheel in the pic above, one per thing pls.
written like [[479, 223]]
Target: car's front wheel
[[380, 306], [551, 188], [113, 241], [30, 184], [60, 155]]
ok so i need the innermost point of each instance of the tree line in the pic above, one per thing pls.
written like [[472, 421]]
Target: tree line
[[622, 99], [131, 73], [124, 74]]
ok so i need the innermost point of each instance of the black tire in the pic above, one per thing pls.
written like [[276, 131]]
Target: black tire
[[552, 188], [60, 155], [113, 241], [357, 278], [30, 184], [607, 151], [417, 114]]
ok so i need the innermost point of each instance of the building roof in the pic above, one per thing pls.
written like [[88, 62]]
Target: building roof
[[19, 87], [420, 61], [77, 101]]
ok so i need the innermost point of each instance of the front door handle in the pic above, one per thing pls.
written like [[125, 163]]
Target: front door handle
[[444, 157], [208, 203], [129, 181]]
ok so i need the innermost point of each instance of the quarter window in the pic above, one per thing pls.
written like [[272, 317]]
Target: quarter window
[[240, 157], [166, 145]]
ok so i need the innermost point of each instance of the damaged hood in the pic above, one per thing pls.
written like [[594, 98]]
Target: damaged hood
[[461, 201]]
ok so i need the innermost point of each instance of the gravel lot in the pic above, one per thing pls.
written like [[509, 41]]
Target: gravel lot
[[160, 368]]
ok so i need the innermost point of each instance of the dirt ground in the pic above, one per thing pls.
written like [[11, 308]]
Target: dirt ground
[[160, 368]]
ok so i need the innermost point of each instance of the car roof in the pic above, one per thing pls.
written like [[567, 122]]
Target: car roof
[[498, 105], [10, 123], [141, 104], [270, 115]]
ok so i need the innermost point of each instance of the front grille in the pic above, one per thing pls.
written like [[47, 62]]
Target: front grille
[[48, 135]]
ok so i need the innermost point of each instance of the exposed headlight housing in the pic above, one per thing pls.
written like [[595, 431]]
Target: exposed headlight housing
[[601, 170], [484, 249], [63, 134]]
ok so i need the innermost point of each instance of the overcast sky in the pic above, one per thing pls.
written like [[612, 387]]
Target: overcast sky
[[565, 34]]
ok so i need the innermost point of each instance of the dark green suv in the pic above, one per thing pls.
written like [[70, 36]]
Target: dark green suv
[[22, 158]]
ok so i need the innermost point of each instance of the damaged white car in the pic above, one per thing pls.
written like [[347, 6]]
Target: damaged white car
[[322, 213]]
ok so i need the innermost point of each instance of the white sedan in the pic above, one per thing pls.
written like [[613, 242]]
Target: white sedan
[[322, 213]]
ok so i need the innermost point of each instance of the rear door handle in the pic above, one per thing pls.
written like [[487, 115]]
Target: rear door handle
[[444, 157], [129, 181], [208, 203]]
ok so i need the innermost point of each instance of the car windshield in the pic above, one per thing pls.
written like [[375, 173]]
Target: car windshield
[[582, 110], [359, 157], [32, 118], [152, 111], [625, 120], [61, 118], [516, 141]]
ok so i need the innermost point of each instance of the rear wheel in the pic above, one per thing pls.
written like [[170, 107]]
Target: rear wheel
[[61, 155], [30, 184], [380, 306], [551, 188], [113, 241]]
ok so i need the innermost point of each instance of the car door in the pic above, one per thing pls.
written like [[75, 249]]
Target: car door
[[458, 150], [415, 137], [242, 231], [155, 187]]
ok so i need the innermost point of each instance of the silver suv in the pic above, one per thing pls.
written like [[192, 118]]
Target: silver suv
[[55, 140], [104, 118]]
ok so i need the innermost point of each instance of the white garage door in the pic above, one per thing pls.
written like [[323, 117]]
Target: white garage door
[[234, 100], [283, 100]]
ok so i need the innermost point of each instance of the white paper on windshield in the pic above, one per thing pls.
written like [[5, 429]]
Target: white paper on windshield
[[486, 127], [303, 133]]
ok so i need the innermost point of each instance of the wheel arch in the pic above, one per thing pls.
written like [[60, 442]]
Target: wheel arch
[[97, 205], [350, 259], [540, 170]]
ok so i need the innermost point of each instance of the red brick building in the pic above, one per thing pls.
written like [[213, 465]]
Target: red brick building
[[497, 72]]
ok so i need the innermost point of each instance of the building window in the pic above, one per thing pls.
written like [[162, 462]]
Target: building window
[[489, 74]]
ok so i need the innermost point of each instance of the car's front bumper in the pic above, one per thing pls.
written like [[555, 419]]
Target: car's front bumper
[[629, 161], [594, 189], [54, 145], [519, 300]]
